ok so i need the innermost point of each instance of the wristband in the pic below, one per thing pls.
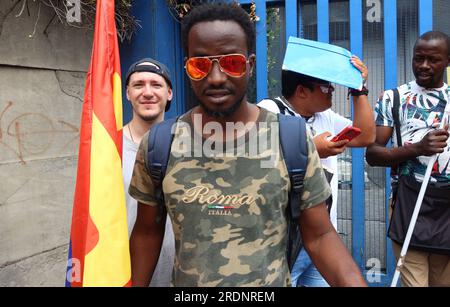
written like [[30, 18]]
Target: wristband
[[357, 93]]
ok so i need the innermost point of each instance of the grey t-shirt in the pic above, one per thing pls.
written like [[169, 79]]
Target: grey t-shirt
[[163, 271]]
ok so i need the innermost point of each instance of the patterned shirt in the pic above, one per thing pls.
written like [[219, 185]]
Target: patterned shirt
[[229, 211], [421, 111]]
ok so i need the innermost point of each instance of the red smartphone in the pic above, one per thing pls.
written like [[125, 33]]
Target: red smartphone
[[348, 133]]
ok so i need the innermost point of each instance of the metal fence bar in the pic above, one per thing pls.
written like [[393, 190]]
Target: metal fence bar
[[323, 27], [358, 209], [390, 81], [425, 16], [291, 18], [261, 51], [178, 58]]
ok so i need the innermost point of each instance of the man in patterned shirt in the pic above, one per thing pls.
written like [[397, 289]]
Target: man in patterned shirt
[[422, 105], [228, 207]]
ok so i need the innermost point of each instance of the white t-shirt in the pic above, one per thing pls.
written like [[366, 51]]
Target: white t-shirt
[[128, 156], [163, 271], [326, 121]]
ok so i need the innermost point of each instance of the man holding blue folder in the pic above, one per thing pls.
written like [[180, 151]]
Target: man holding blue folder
[[306, 95]]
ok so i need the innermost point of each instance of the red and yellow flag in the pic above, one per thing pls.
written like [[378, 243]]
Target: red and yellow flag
[[99, 249]]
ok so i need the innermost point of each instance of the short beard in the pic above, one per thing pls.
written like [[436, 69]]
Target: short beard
[[428, 85], [148, 118], [224, 113]]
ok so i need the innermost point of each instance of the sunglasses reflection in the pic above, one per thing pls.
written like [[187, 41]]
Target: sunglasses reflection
[[234, 65]]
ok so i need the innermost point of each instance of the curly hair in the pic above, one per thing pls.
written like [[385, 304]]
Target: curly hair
[[435, 35], [219, 11]]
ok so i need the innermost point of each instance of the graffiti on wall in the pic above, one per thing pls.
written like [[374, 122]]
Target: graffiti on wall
[[32, 134]]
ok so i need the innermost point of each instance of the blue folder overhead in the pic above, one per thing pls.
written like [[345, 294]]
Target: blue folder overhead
[[321, 61]]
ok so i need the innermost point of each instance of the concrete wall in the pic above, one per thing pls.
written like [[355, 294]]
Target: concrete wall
[[42, 79]]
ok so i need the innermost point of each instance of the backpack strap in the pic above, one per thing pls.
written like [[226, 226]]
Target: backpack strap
[[295, 152], [283, 109], [396, 116], [159, 142]]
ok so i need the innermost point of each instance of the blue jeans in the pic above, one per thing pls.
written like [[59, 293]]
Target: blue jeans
[[305, 274]]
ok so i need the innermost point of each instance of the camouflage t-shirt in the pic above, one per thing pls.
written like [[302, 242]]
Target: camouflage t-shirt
[[228, 210]]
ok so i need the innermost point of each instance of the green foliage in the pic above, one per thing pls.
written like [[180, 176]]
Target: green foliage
[[273, 39]]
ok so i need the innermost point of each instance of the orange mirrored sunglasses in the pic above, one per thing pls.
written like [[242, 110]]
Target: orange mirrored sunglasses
[[234, 65]]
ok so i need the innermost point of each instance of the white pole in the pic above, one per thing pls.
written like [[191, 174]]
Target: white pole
[[412, 223]]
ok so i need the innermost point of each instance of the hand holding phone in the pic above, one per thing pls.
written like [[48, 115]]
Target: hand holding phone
[[348, 133]]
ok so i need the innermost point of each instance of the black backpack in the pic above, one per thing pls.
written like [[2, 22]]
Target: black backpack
[[295, 153]]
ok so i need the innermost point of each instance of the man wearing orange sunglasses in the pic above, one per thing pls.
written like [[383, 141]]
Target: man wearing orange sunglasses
[[227, 211]]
